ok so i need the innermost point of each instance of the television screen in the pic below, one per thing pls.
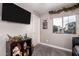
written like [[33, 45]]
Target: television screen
[[14, 13]]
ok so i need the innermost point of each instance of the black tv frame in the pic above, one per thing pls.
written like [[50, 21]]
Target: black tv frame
[[16, 15]]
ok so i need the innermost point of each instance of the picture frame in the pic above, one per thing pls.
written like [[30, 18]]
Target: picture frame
[[45, 24]]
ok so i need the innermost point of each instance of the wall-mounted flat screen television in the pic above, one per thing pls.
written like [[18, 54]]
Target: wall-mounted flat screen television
[[14, 13]]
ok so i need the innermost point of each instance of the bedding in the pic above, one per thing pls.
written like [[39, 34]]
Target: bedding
[[75, 46], [76, 50]]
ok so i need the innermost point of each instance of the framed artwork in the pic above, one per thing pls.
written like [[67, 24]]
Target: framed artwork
[[45, 23]]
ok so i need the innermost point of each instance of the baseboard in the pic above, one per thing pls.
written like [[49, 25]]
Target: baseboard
[[65, 49]]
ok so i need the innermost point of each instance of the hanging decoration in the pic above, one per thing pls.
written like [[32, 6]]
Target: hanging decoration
[[65, 9], [45, 23]]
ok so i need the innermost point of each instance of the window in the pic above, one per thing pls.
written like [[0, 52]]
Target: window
[[57, 25], [64, 25]]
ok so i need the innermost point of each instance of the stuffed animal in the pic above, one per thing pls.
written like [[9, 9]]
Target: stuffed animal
[[16, 51]]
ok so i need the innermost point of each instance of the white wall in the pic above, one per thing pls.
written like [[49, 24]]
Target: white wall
[[61, 40], [36, 30], [13, 29]]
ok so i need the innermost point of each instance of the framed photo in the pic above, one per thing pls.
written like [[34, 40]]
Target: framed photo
[[45, 23]]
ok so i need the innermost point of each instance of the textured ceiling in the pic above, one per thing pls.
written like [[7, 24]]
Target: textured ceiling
[[43, 8]]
